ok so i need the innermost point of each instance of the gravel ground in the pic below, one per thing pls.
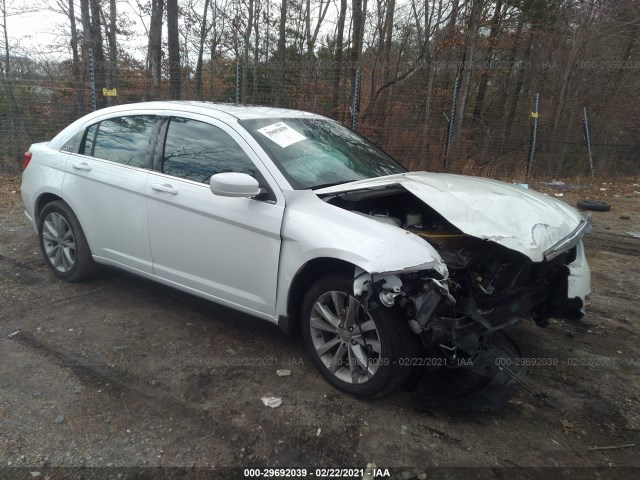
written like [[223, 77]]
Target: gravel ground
[[121, 372]]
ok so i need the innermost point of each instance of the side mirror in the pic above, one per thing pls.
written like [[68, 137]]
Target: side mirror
[[233, 184]]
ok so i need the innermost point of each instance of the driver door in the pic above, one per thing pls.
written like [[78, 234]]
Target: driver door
[[226, 249]]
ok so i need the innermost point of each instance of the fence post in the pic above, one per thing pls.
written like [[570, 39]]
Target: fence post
[[92, 79], [356, 99], [534, 134], [454, 99], [237, 82], [587, 137]]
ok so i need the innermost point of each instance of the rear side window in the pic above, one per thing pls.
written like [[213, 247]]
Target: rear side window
[[125, 140], [196, 150]]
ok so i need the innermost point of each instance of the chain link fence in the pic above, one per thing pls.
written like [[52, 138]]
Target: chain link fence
[[412, 119]]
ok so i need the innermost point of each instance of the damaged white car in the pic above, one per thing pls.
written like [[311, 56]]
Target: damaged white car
[[293, 218]]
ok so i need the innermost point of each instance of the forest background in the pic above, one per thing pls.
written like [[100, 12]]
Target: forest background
[[511, 89]]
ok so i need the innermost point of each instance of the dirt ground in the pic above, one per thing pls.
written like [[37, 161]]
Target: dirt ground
[[121, 372]]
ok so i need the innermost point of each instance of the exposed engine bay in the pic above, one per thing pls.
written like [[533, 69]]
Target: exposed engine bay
[[489, 286]]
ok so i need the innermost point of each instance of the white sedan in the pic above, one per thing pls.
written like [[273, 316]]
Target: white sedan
[[293, 218]]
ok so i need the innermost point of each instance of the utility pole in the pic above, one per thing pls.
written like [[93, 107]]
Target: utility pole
[[587, 137], [534, 134], [92, 79], [237, 82], [452, 118], [356, 99]]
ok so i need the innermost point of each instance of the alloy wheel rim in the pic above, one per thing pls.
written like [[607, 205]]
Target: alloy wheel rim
[[59, 243], [345, 338]]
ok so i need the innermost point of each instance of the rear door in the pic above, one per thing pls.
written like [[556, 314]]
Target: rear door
[[227, 248], [105, 185]]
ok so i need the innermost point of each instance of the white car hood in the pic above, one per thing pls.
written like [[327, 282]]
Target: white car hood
[[519, 219]]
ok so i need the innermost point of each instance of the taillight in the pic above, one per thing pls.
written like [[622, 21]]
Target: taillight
[[26, 158]]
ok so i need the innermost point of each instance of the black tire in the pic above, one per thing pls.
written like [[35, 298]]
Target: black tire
[[595, 205], [396, 343], [75, 263]]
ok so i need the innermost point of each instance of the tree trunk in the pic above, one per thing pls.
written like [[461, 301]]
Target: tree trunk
[[214, 47], [430, 60], [282, 44], [113, 49], [6, 73], [386, 59], [357, 33], [245, 57], [256, 52], [90, 12], [507, 88], [174, 49], [307, 27], [476, 11], [484, 79], [98, 52], [155, 46], [309, 74], [75, 60], [338, 58], [203, 34], [450, 33]]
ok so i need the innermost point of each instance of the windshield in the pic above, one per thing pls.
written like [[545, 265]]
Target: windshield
[[315, 153]]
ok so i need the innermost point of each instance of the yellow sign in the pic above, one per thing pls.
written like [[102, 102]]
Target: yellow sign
[[533, 114], [109, 92]]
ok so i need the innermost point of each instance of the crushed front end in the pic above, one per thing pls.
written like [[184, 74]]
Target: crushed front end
[[489, 287]]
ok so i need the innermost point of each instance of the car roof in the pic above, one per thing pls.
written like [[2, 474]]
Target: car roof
[[241, 112], [219, 110]]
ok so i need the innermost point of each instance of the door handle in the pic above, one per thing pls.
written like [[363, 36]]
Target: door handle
[[81, 166], [158, 187]]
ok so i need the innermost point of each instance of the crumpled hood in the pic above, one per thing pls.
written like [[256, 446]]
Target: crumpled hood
[[520, 219]]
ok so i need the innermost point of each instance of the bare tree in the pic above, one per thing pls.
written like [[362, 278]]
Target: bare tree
[[311, 35], [173, 41], [154, 51], [204, 30], [337, 75], [467, 70], [218, 29], [6, 70], [68, 9], [113, 46], [358, 10], [256, 49], [246, 39], [92, 32], [484, 79], [282, 44]]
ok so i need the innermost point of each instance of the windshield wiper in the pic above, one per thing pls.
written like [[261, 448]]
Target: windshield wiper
[[333, 184]]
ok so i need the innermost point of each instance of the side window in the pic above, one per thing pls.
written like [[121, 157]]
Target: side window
[[196, 150], [125, 140]]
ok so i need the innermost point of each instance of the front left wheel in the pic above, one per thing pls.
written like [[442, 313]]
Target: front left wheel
[[361, 353], [63, 244]]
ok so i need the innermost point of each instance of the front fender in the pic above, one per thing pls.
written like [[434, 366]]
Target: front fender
[[313, 229]]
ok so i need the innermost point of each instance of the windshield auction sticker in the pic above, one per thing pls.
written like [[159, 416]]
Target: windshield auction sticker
[[282, 134]]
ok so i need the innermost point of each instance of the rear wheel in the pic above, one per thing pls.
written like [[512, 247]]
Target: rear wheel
[[363, 354], [63, 244]]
